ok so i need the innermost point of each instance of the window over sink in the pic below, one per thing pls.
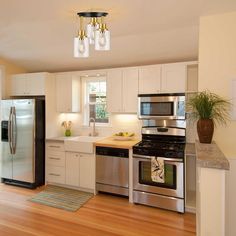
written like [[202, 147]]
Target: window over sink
[[95, 102]]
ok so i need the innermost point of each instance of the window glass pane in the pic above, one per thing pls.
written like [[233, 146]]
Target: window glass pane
[[97, 101]]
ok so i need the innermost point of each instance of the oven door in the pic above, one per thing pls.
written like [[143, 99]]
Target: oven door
[[174, 176]]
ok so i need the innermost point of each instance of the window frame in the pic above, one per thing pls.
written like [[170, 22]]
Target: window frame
[[86, 110]]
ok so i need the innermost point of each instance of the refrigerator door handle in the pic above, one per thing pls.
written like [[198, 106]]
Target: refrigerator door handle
[[14, 130], [10, 130]]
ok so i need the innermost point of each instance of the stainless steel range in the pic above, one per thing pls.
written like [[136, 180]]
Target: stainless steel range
[[166, 141]]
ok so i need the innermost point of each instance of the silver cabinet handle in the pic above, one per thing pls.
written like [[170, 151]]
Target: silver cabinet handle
[[54, 174], [53, 146], [54, 158]]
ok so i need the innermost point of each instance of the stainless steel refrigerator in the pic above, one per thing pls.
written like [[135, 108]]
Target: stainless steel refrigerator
[[23, 142]]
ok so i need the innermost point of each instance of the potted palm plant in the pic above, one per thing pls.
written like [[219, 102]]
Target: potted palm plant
[[208, 109]]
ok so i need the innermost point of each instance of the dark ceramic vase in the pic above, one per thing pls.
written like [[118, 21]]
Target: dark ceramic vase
[[205, 130]]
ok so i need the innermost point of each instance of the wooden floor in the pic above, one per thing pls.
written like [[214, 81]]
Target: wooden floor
[[103, 215]]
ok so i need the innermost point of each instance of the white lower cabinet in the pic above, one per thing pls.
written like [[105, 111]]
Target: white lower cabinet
[[69, 168], [55, 162], [80, 170], [72, 168], [87, 171]]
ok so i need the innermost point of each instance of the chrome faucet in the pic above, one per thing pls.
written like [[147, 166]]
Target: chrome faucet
[[93, 133]]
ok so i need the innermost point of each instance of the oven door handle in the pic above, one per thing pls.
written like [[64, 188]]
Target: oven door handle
[[164, 158]]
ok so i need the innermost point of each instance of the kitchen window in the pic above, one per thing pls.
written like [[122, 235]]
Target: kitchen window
[[96, 100]]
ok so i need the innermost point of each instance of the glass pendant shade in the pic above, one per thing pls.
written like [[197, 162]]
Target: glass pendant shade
[[91, 29], [102, 40], [81, 47], [96, 33]]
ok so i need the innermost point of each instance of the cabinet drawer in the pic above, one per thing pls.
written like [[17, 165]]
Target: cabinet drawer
[[56, 146], [55, 158], [56, 174]]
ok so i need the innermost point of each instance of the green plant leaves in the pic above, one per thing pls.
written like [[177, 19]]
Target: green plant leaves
[[207, 105]]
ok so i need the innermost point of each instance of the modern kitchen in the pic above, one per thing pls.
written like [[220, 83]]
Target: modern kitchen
[[122, 131]]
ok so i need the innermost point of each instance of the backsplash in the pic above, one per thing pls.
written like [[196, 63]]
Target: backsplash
[[191, 131], [118, 123]]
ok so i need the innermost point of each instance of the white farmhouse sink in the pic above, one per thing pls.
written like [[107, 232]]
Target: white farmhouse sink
[[81, 144]]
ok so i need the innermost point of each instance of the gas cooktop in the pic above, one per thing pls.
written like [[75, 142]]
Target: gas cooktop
[[162, 149]]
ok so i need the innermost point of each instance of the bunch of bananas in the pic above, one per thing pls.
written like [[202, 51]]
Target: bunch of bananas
[[124, 134]]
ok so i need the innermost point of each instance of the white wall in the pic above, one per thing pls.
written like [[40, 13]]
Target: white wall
[[217, 67], [9, 69]]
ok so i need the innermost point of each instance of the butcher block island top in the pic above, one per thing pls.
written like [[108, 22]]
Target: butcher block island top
[[110, 142]]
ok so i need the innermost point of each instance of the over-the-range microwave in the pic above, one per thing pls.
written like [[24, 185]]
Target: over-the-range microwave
[[168, 106]]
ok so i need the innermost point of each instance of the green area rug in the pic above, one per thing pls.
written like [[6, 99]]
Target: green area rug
[[63, 198]]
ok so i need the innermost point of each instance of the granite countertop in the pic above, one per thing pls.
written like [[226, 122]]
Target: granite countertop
[[110, 142], [210, 156], [190, 149]]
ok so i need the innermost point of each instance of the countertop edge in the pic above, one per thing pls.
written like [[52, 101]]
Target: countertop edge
[[210, 156], [109, 142]]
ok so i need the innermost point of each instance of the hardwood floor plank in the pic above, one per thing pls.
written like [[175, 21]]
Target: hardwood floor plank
[[103, 215]]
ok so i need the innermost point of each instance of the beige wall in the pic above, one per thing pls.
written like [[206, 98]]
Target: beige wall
[[9, 69], [217, 67]]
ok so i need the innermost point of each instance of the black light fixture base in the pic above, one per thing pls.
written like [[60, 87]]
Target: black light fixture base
[[92, 14]]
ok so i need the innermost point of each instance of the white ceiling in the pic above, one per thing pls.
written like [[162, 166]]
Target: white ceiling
[[38, 35]]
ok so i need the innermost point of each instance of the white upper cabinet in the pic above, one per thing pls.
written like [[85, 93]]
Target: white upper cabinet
[[165, 78], [122, 90], [18, 85], [150, 79], [67, 92], [130, 90], [173, 77], [114, 90], [31, 84]]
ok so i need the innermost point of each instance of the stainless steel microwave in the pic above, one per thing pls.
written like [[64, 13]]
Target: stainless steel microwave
[[161, 106]]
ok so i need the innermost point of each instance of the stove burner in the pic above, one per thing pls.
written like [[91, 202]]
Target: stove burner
[[164, 149]]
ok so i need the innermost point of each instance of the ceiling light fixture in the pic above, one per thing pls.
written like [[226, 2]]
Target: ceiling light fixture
[[96, 33]]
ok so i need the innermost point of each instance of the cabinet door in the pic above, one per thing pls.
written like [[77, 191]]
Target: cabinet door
[[87, 171], [18, 85], [114, 90], [130, 90], [72, 168], [149, 79], [64, 93], [173, 77], [35, 84]]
